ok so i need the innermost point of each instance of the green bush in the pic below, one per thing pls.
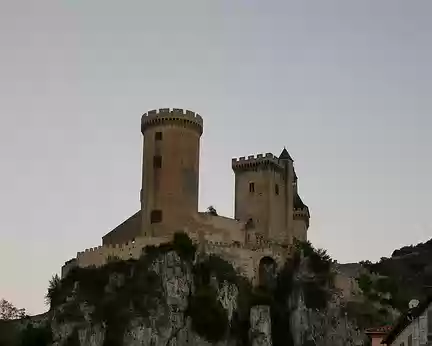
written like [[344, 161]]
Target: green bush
[[209, 318], [73, 339], [366, 314], [365, 283], [54, 294], [214, 266], [9, 332], [280, 312], [240, 323], [320, 262], [36, 336], [184, 246], [315, 295], [261, 296], [70, 312]]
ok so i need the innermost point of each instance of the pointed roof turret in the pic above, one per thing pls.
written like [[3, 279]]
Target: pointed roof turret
[[285, 155]]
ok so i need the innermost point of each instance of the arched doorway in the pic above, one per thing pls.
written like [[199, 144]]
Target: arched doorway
[[267, 273]]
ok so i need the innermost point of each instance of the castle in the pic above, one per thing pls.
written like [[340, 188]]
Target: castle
[[269, 212]]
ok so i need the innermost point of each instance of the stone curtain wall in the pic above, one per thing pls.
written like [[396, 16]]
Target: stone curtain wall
[[98, 256], [244, 258]]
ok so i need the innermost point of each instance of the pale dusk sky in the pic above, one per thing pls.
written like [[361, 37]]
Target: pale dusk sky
[[344, 85]]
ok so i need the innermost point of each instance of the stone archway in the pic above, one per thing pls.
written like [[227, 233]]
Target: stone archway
[[267, 271]]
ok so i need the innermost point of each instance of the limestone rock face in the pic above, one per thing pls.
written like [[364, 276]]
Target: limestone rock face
[[260, 330], [322, 328], [168, 322], [326, 327], [227, 296]]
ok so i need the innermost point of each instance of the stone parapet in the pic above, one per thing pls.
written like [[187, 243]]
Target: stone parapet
[[175, 116], [98, 256], [252, 162]]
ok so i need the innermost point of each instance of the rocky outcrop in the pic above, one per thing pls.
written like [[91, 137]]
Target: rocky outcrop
[[326, 326], [329, 327], [260, 329], [166, 284]]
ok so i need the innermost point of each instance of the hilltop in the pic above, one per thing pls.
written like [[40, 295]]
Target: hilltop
[[406, 275]]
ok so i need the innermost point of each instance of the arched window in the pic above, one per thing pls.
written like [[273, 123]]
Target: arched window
[[156, 216]]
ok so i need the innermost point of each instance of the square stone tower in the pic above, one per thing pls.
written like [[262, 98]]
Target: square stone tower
[[266, 197]]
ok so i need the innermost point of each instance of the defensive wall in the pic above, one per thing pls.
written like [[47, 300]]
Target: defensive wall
[[244, 257], [252, 161]]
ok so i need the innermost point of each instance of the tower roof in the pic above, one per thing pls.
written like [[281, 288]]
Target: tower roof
[[285, 155], [298, 203]]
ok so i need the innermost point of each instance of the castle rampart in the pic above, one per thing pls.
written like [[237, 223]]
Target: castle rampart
[[98, 256], [176, 116], [258, 161], [244, 257]]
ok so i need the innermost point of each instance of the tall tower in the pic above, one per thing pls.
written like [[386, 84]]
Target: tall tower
[[260, 195], [170, 173], [290, 180]]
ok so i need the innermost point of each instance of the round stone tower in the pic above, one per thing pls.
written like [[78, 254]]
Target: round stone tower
[[170, 174]]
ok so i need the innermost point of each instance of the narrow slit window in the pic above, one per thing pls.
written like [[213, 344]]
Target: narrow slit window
[[276, 189], [251, 187]]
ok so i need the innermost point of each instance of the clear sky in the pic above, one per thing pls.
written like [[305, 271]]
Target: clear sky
[[344, 85]]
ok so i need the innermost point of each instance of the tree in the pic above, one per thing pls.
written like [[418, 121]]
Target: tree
[[53, 296], [9, 312], [212, 211]]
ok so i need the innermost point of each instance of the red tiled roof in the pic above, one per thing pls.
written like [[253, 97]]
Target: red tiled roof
[[378, 330]]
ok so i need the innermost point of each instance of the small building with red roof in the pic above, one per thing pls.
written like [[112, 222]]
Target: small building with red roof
[[377, 334]]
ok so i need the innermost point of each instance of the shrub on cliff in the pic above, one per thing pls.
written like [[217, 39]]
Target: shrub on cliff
[[184, 246], [36, 336], [209, 318], [215, 266], [316, 289], [280, 311], [54, 294]]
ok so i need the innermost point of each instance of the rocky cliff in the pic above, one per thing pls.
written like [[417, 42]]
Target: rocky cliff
[[174, 296]]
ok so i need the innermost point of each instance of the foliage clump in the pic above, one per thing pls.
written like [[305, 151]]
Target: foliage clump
[[317, 288], [210, 322], [366, 314], [407, 274], [36, 336], [209, 318], [10, 312], [73, 339], [184, 246]]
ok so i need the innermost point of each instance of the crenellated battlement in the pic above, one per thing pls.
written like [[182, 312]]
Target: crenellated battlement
[[174, 116], [302, 214], [254, 162], [138, 243], [242, 255]]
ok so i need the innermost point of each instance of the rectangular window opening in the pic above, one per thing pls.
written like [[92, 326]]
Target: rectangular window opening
[[158, 136], [276, 189], [157, 161]]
